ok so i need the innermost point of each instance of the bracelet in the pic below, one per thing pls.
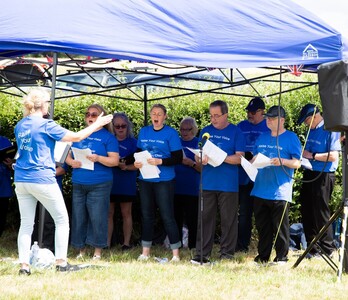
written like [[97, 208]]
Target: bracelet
[[313, 155]]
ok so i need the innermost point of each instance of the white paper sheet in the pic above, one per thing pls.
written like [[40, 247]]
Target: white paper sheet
[[306, 163], [81, 155], [261, 161], [147, 171], [216, 156], [61, 151], [249, 168]]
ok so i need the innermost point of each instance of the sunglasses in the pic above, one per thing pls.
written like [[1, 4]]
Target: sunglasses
[[254, 112], [93, 114], [120, 126]]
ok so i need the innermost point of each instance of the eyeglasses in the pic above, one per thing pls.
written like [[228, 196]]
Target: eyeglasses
[[185, 129], [93, 114], [254, 112], [123, 126], [215, 117]]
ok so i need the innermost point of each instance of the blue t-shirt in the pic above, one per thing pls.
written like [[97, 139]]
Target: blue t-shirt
[[272, 183], [160, 144], [321, 141], [100, 142], [36, 138], [5, 173], [224, 177], [187, 178], [251, 133], [124, 182]]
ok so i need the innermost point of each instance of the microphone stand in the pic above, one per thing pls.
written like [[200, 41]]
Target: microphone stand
[[201, 201]]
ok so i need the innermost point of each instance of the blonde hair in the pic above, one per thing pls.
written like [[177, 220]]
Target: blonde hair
[[34, 101], [100, 110]]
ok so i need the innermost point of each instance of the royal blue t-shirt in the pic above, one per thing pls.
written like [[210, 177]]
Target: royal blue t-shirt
[[100, 142], [125, 181], [160, 144], [272, 183], [251, 133], [5, 173], [321, 141], [224, 177], [186, 177], [36, 138]]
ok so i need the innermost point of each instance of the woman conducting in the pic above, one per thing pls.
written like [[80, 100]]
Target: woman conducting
[[34, 175]]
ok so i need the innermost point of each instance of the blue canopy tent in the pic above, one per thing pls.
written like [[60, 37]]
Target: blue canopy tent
[[213, 34], [218, 34], [204, 33]]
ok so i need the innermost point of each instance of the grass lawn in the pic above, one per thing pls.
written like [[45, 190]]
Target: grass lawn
[[120, 276]]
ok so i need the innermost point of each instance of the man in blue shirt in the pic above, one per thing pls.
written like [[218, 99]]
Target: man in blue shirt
[[251, 128], [273, 186], [322, 149], [220, 185]]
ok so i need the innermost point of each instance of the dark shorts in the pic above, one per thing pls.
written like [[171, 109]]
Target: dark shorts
[[122, 198]]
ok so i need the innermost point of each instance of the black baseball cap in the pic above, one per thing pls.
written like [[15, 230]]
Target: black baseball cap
[[255, 104], [276, 111], [306, 111]]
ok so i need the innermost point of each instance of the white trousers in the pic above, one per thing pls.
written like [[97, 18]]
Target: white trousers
[[52, 199]]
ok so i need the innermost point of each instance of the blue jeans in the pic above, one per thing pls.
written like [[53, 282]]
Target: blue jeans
[[90, 209], [162, 194]]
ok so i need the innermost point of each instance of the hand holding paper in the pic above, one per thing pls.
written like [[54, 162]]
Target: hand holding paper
[[81, 155], [216, 156], [260, 162], [147, 171]]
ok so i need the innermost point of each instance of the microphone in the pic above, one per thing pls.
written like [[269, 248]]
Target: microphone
[[205, 137]]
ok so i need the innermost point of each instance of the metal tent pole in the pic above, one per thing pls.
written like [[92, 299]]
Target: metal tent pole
[[42, 210]]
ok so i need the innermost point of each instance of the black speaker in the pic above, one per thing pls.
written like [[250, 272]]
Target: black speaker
[[333, 90]]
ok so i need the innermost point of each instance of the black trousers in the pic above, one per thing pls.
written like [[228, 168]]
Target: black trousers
[[186, 212], [315, 197], [4, 203], [268, 216], [228, 206]]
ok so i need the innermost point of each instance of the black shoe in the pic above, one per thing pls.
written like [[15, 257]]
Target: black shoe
[[226, 256], [311, 255], [242, 250], [280, 261], [197, 260], [68, 268], [24, 272], [126, 248], [259, 260]]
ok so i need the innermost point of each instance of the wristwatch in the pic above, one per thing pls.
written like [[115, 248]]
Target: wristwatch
[[193, 165], [313, 155]]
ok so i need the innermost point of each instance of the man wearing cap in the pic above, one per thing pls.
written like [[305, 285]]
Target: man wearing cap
[[273, 186], [322, 149], [251, 128]]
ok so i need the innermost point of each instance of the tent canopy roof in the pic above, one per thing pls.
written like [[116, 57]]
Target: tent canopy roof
[[221, 33]]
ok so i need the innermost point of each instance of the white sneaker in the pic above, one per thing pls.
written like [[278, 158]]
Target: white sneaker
[[175, 259], [143, 257]]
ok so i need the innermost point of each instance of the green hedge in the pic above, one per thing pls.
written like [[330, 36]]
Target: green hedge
[[70, 114]]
